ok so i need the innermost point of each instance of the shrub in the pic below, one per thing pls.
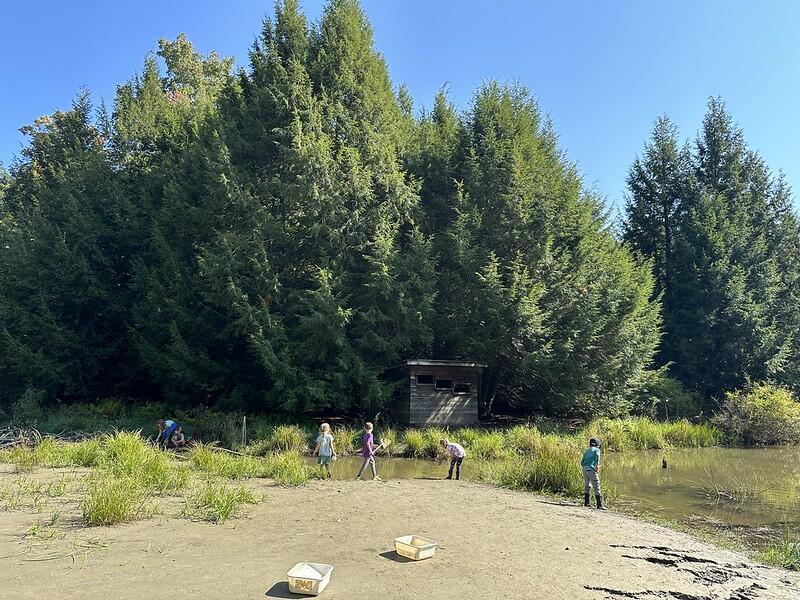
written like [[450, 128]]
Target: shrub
[[762, 415], [217, 502], [665, 397], [111, 500]]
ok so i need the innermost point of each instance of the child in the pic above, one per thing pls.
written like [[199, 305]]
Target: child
[[324, 448], [457, 455], [165, 430], [368, 449], [590, 463], [178, 439]]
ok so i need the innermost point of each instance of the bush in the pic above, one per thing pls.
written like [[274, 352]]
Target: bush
[[762, 415], [666, 398], [217, 502]]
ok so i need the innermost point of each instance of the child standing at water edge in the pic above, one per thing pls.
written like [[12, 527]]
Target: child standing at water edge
[[368, 449], [325, 448], [457, 455], [590, 463]]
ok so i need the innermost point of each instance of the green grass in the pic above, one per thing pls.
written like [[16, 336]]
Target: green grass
[[129, 455], [551, 470], [785, 554], [217, 502], [111, 500], [287, 468], [414, 440], [347, 440]]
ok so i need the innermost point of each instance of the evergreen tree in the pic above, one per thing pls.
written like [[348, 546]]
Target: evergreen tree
[[63, 265]]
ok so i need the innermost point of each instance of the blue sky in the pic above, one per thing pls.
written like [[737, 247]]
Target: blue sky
[[603, 70]]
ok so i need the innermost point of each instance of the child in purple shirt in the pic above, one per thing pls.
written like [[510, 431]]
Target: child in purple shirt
[[457, 454], [368, 449]]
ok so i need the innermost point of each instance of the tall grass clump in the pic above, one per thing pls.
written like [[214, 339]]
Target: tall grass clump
[[128, 455], [217, 502], [55, 453], [489, 445], [612, 434], [553, 469], [415, 443], [286, 469], [288, 438], [23, 458], [218, 463], [785, 554], [645, 434], [347, 440], [524, 439], [682, 434], [110, 500]]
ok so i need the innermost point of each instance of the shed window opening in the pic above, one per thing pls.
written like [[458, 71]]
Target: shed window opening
[[424, 379], [462, 388], [444, 384]]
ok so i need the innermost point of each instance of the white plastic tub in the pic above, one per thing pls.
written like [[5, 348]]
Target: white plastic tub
[[309, 578], [414, 547]]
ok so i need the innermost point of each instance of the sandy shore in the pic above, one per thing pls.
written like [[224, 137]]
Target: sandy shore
[[493, 544]]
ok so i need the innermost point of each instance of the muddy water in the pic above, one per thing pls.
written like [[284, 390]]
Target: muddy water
[[755, 492]]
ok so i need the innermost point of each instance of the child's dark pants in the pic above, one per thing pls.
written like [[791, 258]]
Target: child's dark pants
[[455, 462]]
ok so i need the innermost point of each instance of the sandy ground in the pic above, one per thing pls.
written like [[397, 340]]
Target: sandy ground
[[493, 544]]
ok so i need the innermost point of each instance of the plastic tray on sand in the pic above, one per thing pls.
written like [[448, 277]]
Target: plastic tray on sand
[[414, 547], [309, 578]]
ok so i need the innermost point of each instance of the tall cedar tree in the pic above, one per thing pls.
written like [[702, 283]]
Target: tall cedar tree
[[714, 223]]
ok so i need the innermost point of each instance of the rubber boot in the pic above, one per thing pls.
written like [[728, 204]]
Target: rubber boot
[[600, 505], [586, 500]]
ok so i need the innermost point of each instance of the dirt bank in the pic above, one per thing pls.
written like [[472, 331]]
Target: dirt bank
[[494, 544]]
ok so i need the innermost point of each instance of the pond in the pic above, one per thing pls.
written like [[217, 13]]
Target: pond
[[752, 492]]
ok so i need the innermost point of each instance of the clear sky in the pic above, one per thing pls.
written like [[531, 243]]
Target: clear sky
[[603, 70]]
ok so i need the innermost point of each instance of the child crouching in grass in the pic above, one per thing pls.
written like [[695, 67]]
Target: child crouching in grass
[[457, 455], [324, 448]]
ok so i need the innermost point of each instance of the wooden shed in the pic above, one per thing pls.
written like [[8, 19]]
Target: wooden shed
[[439, 392]]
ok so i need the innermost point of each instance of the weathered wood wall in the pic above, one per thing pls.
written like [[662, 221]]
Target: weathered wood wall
[[429, 406]]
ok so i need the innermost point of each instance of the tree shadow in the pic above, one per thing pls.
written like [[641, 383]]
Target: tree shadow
[[394, 556], [281, 590]]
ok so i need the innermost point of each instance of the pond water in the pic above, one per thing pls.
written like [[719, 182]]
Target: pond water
[[754, 492]]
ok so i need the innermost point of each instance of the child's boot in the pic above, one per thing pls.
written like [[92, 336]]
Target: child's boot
[[600, 505], [586, 500]]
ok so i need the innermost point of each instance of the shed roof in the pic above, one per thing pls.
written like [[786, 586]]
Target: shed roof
[[441, 363]]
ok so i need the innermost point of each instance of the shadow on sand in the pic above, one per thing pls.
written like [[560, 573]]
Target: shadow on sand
[[281, 590], [392, 555]]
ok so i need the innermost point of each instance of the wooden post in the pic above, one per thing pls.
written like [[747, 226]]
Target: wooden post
[[244, 431]]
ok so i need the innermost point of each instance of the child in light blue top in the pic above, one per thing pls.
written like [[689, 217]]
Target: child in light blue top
[[590, 465]]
